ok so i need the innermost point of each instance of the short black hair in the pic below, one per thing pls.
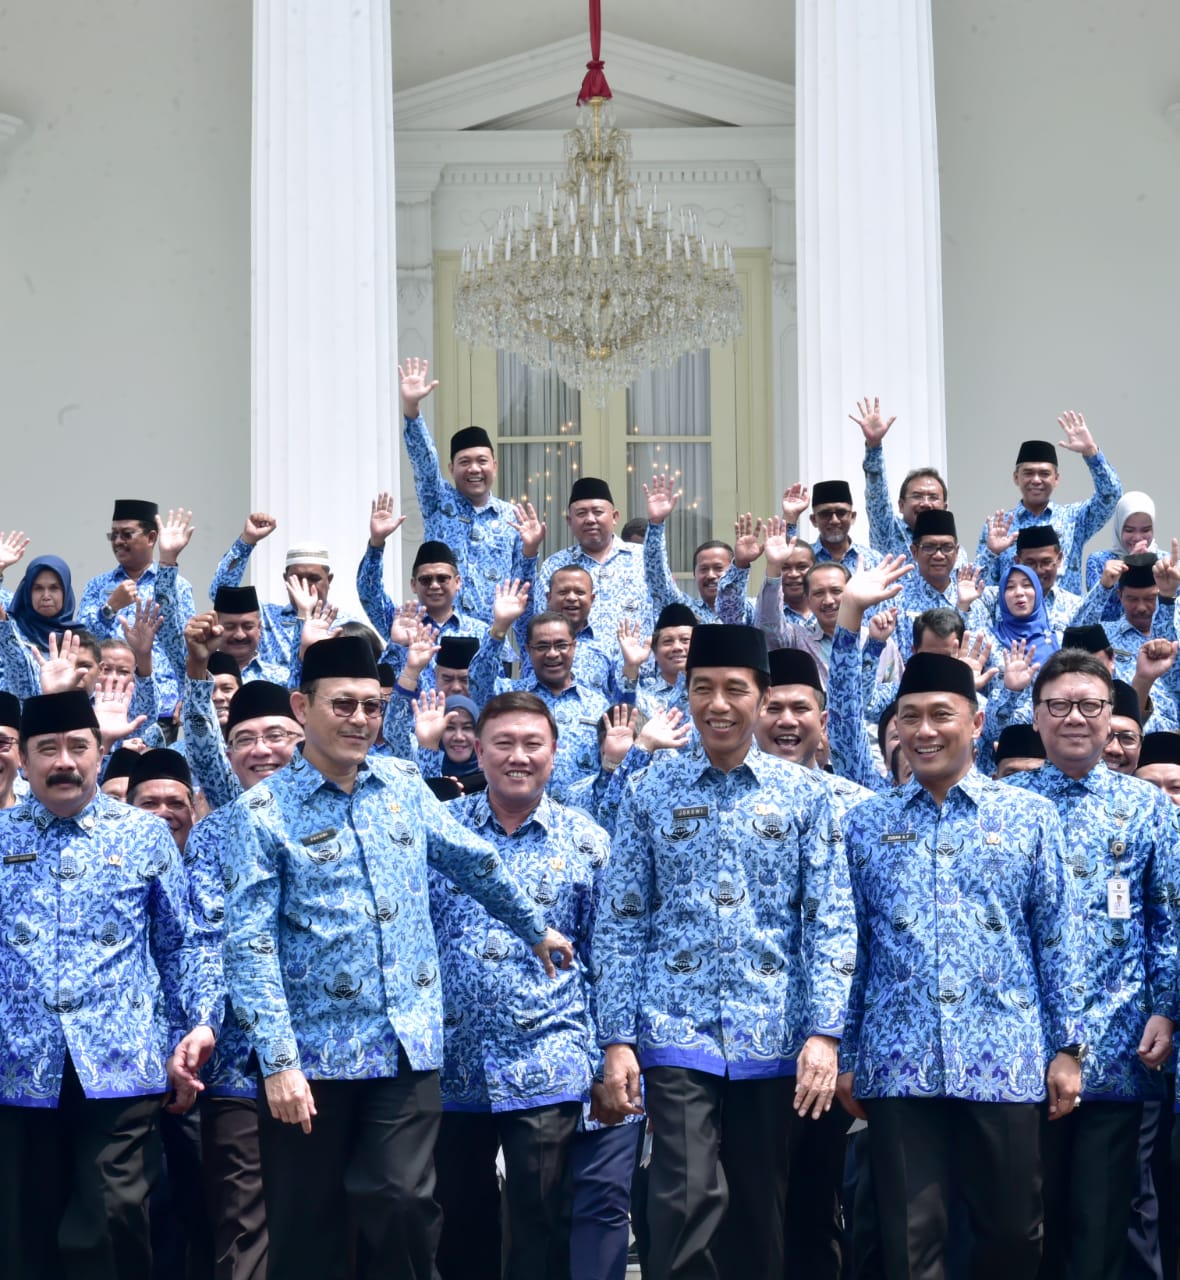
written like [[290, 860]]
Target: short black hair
[[820, 565], [549, 615], [713, 544], [921, 473], [942, 623], [89, 641], [366, 632], [1069, 662], [504, 704]]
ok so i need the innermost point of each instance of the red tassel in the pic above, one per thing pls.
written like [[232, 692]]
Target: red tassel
[[594, 85]]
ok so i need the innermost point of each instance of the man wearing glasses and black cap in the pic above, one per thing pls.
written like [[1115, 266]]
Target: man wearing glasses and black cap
[[331, 965]]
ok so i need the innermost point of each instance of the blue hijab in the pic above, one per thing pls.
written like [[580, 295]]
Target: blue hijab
[[33, 626], [1035, 629]]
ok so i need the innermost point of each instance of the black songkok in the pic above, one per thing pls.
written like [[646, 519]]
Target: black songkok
[[1159, 748], [258, 698], [120, 764], [221, 664], [9, 711], [937, 673], [1037, 535], [1139, 570], [135, 509], [589, 489], [57, 713], [470, 438], [434, 553], [935, 524], [830, 491], [1020, 740], [1090, 639], [339, 657], [676, 615], [235, 600], [160, 763], [455, 652], [1126, 702], [726, 645], [794, 666], [1037, 451]]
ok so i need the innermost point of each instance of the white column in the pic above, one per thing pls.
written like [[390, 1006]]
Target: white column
[[868, 251], [325, 435]]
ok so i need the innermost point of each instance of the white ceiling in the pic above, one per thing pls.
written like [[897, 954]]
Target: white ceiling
[[436, 38]]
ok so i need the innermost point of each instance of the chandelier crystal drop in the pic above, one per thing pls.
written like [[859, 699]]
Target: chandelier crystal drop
[[598, 282]]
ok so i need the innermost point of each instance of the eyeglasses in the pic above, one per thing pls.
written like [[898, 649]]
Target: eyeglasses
[[1127, 738], [434, 579], [272, 738], [7, 745], [551, 646], [833, 513], [345, 708], [1059, 708], [945, 550], [123, 535]]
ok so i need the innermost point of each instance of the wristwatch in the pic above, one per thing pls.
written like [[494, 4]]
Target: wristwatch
[[1076, 1051], [107, 613]]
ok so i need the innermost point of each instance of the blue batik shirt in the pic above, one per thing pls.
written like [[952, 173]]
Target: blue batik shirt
[[1119, 826], [486, 545], [1076, 523], [620, 588], [330, 957], [178, 609], [848, 736], [515, 1038], [99, 955], [724, 936], [662, 584], [970, 966]]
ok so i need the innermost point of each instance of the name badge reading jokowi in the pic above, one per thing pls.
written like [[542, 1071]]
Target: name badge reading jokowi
[[690, 811], [1118, 898]]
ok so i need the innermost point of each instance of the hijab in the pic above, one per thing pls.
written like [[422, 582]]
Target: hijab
[[33, 626], [1128, 505], [1035, 629], [460, 768]]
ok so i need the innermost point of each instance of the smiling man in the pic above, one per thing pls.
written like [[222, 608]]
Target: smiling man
[[101, 968], [331, 964], [1121, 837], [968, 969], [715, 980]]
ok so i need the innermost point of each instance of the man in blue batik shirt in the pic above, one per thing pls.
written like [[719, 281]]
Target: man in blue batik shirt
[[466, 515], [1121, 845], [1036, 476], [331, 965], [832, 516], [516, 1056], [969, 976], [724, 944], [102, 972], [111, 597]]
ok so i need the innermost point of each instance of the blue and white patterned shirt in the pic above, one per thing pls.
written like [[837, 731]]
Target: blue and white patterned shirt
[[970, 965], [662, 584], [1060, 605], [1119, 826], [848, 736], [330, 957], [1076, 523], [620, 588], [486, 545], [99, 955], [515, 1038], [724, 936], [179, 608]]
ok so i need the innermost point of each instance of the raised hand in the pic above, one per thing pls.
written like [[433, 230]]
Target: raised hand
[[796, 500], [202, 636], [1112, 571], [405, 622], [778, 546], [1019, 668], [882, 625], [1166, 573], [302, 595], [620, 735], [124, 593], [58, 671], [1155, 659], [1000, 534], [873, 586], [871, 422], [383, 523], [975, 650], [414, 384], [666, 730], [421, 650], [747, 540], [12, 546], [530, 526], [318, 626], [511, 600], [140, 634], [970, 586], [258, 526], [634, 646], [176, 531], [1077, 435], [112, 703], [430, 718], [662, 497]]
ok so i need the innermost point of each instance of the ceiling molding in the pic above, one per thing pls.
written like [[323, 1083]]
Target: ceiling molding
[[540, 77]]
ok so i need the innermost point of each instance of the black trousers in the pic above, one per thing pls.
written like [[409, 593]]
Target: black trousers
[[814, 1237], [717, 1183], [74, 1186], [991, 1153], [232, 1170], [538, 1192], [1091, 1174], [182, 1238], [364, 1173]]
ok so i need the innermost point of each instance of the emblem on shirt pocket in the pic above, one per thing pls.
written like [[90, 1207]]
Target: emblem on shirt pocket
[[341, 987], [22, 934], [767, 965], [683, 963], [725, 895], [385, 910]]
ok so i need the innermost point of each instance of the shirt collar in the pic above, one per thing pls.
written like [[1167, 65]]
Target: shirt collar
[[972, 785], [306, 779], [85, 819], [1053, 782], [543, 815]]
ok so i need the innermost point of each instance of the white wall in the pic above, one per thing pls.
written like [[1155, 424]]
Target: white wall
[[124, 271], [1060, 183]]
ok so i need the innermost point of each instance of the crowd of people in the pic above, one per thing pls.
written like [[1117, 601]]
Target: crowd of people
[[821, 929]]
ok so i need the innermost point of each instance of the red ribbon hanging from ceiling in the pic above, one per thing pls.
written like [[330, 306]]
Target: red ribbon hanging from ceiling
[[594, 85]]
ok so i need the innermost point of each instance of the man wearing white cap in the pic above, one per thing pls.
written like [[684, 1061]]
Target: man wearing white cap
[[282, 624]]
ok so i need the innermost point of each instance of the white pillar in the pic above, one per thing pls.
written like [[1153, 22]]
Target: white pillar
[[325, 428], [868, 247]]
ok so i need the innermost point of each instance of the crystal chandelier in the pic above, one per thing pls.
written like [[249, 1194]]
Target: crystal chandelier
[[597, 282]]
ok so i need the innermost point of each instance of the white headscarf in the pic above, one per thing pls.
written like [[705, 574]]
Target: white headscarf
[[1129, 504]]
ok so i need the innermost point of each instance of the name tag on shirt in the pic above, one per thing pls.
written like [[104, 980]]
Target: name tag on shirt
[[690, 811], [899, 837], [13, 859], [319, 837], [1118, 898]]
